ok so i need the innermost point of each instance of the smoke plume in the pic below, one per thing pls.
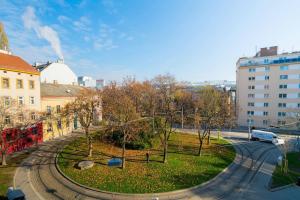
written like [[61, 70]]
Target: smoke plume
[[31, 22]]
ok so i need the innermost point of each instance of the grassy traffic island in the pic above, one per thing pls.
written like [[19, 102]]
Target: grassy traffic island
[[280, 178], [184, 168]]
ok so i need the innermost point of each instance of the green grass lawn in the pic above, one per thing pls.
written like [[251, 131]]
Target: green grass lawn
[[184, 168], [281, 179], [7, 172]]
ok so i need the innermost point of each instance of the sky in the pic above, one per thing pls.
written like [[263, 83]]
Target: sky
[[194, 40]]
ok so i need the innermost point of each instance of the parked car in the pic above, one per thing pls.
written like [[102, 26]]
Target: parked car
[[266, 136]]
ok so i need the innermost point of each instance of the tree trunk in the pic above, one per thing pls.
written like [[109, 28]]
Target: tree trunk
[[182, 117], [165, 149], [90, 147], [89, 142], [3, 160], [200, 148], [123, 152], [208, 138]]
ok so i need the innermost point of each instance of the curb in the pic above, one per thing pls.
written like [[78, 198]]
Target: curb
[[182, 193], [281, 187]]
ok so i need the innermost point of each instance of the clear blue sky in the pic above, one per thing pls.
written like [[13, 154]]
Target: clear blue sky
[[194, 40]]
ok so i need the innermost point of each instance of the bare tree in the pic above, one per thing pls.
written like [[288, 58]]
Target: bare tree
[[119, 110], [208, 110], [84, 107], [165, 86]]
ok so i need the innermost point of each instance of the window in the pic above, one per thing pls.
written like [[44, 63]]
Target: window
[[284, 68], [5, 82], [266, 113], [251, 87], [282, 105], [251, 78], [281, 114], [282, 77], [267, 77], [21, 100], [252, 70], [20, 117], [33, 116], [266, 87], [59, 124], [298, 105], [251, 104], [19, 84], [265, 122], [266, 95], [250, 113], [31, 100], [283, 86], [7, 119], [267, 69], [281, 122], [282, 96], [251, 95], [49, 110], [31, 84], [58, 108], [49, 127], [266, 104], [250, 121], [7, 101]]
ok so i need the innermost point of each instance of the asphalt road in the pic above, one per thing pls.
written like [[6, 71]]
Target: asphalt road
[[247, 178]]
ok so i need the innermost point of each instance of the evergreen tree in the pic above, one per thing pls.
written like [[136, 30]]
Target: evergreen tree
[[4, 44]]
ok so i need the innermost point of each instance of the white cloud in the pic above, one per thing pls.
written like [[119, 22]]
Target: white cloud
[[62, 19], [83, 24], [110, 6], [105, 38], [31, 22]]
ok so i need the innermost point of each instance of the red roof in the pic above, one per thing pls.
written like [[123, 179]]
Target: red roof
[[15, 63]]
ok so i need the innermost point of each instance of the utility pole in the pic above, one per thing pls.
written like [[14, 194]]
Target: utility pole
[[249, 128]]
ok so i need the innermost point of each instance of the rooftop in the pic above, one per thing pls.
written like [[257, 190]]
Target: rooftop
[[14, 63], [60, 90]]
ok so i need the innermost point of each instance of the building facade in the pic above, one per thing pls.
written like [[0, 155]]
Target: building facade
[[53, 99], [19, 81], [87, 81], [268, 89], [56, 72]]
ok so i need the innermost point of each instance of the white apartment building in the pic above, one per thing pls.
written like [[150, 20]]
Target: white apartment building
[[87, 81], [268, 89], [56, 72]]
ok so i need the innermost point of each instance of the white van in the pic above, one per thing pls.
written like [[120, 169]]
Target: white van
[[266, 136]]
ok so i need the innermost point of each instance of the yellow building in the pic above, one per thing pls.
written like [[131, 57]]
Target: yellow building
[[53, 98], [19, 81]]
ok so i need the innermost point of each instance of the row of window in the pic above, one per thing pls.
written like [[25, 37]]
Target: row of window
[[281, 95], [253, 96], [281, 86], [267, 68], [49, 109], [280, 105], [252, 78], [6, 83], [267, 122], [20, 99], [7, 118], [266, 113]]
